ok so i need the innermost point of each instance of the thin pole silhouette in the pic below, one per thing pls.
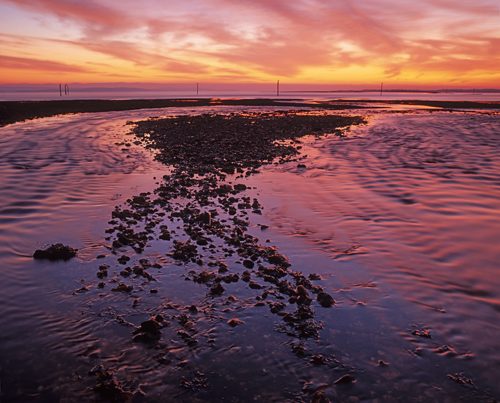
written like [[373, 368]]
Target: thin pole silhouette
[[278, 88], [66, 89], [381, 88], [60, 90], [197, 88]]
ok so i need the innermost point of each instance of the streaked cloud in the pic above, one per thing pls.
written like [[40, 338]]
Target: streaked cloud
[[337, 41]]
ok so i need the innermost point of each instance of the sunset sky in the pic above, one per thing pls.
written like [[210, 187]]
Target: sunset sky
[[443, 43]]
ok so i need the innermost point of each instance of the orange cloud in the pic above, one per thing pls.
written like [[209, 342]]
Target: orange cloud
[[24, 63], [341, 41]]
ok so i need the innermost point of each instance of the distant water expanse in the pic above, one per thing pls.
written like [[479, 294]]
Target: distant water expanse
[[148, 94], [399, 217]]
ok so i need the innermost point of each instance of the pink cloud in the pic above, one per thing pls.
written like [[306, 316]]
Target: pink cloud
[[280, 37], [25, 63]]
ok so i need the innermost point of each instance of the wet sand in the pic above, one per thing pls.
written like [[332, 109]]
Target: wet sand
[[347, 218]]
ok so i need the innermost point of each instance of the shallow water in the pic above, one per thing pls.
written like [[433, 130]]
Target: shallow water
[[400, 217], [415, 201]]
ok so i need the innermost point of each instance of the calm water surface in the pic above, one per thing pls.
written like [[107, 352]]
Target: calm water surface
[[401, 218]]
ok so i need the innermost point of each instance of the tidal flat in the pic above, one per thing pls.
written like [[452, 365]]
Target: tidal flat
[[251, 253]]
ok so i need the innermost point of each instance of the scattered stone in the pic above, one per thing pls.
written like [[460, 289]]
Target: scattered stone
[[425, 333], [325, 300], [123, 259], [217, 289], [461, 379], [107, 386], [123, 288], [234, 322], [318, 359], [320, 397], [248, 264], [184, 251], [148, 331], [345, 380], [240, 187], [254, 285]]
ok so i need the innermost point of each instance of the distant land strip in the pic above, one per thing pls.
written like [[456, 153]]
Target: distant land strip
[[16, 111]]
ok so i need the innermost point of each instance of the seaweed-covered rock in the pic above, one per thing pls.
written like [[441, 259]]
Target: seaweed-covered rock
[[325, 300], [107, 387], [55, 252], [149, 331]]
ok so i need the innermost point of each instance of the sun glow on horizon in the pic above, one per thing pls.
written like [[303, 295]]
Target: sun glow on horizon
[[432, 43]]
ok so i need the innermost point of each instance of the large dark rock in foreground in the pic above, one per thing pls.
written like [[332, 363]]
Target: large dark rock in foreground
[[55, 252]]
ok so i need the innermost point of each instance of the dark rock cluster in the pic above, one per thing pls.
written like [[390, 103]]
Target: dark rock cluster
[[201, 210]]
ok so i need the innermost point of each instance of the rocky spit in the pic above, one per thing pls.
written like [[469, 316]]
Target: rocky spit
[[202, 212]]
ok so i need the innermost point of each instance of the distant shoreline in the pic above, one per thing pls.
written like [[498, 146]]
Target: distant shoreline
[[16, 111]]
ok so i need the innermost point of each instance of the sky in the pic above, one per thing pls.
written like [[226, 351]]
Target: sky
[[424, 43]]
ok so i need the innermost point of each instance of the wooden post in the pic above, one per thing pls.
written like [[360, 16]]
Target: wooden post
[[66, 89], [278, 88], [197, 88], [60, 90]]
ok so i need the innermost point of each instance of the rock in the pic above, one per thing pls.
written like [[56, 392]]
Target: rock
[[318, 359], [276, 306], [460, 378], [123, 288], [325, 300], [345, 380], [55, 252], [123, 259], [148, 331], [107, 386], [234, 322], [240, 187], [254, 285], [222, 267], [205, 218], [217, 289], [184, 251], [301, 291], [425, 333], [248, 264], [320, 397], [204, 276], [230, 278]]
